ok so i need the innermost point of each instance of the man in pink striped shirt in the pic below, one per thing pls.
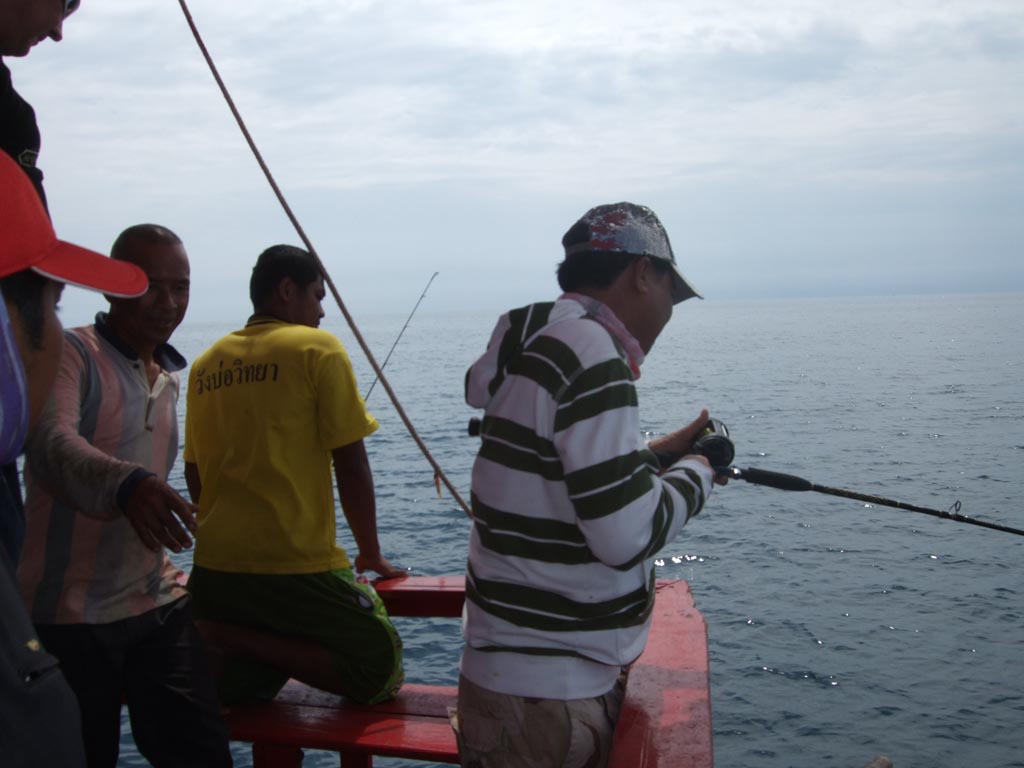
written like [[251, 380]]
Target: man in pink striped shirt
[[95, 574]]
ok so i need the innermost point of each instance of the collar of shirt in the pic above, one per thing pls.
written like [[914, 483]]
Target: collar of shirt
[[603, 314], [259, 319], [166, 356]]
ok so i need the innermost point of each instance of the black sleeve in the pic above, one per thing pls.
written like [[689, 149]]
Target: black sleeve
[[19, 133]]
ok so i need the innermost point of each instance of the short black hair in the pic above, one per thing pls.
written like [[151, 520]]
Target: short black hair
[[24, 291], [275, 264], [599, 269], [146, 233]]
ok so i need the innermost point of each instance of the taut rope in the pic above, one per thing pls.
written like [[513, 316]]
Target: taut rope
[[438, 472]]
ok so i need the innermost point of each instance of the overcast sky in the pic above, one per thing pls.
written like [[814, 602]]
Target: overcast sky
[[792, 148]]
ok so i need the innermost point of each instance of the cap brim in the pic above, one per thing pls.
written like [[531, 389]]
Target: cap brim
[[681, 288], [79, 266]]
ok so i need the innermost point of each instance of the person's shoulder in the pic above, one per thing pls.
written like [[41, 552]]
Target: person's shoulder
[[571, 340], [308, 337], [305, 343], [82, 331], [214, 348], [574, 327], [224, 348], [83, 339]]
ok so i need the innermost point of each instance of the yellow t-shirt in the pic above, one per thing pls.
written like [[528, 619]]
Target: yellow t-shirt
[[266, 406]]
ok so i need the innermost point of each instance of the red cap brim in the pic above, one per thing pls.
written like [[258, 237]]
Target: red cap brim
[[79, 266]]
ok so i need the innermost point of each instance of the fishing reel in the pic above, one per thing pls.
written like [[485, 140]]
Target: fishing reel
[[714, 444]]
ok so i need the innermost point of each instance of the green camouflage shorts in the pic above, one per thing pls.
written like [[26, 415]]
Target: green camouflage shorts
[[330, 608]]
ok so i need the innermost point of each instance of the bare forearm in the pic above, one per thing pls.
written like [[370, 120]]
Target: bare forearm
[[359, 503]]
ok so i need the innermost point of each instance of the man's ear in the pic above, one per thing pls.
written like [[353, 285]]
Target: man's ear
[[285, 289], [643, 273]]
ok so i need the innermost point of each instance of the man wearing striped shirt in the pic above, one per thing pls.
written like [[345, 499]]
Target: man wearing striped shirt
[[99, 584], [570, 505]]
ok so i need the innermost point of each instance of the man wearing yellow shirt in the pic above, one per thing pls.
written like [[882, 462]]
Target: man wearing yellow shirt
[[270, 407]]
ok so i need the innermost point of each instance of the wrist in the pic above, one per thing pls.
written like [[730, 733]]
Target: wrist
[[129, 484]]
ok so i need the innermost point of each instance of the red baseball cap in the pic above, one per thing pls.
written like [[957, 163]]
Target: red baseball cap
[[27, 241]]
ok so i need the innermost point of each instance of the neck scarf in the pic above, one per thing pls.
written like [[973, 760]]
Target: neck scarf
[[604, 315]]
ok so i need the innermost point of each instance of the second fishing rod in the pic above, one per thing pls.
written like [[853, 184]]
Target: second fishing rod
[[715, 444]]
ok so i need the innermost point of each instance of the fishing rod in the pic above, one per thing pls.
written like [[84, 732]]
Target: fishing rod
[[399, 337], [786, 482], [439, 475], [714, 443]]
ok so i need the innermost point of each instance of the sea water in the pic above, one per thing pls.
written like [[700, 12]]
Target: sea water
[[837, 630]]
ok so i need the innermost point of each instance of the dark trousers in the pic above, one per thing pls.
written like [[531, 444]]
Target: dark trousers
[[39, 720], [156, 662]]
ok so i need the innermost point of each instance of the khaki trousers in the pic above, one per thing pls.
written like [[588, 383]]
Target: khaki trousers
[[497, 730]]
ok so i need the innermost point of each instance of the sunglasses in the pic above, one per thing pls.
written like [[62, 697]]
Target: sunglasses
[[70, 6]]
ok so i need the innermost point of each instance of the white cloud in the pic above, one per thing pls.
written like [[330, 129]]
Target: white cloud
[[532, 104]]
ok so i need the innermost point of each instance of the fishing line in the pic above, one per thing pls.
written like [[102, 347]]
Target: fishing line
[[399, 337], [786, 482], [438, 472]]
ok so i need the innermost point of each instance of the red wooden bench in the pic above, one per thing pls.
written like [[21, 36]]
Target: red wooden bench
[[665, 722], [414, 725]]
